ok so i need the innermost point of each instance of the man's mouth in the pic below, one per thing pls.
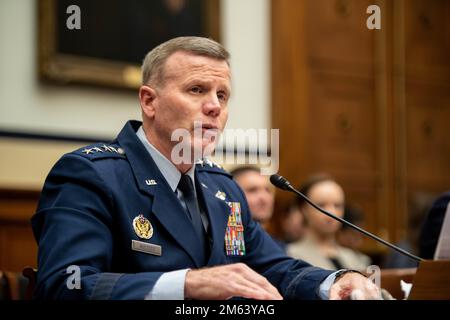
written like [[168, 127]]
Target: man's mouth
[[209, 127]]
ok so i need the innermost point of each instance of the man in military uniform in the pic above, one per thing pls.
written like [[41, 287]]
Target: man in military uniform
[[137, 224]]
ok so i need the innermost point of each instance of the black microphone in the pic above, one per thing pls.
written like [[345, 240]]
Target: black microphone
[[280, 182]]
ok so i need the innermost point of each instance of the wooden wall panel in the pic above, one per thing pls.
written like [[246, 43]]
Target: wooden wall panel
[[323, 97], [427, 96], [17, 245], [336, 37], [370, 107], [428, 145], [290, 89], [342, 123], [427, 34]]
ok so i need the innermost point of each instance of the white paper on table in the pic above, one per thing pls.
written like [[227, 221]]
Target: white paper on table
[[406, 288]]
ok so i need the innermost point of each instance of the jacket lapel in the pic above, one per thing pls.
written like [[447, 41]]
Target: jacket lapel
[[173, 217], [165, 206], [218, 212]]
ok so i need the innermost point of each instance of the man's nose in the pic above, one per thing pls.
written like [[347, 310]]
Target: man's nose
[[211, 106], [330, 208]]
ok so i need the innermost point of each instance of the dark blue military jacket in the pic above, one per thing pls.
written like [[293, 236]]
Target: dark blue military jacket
[[85, 218]]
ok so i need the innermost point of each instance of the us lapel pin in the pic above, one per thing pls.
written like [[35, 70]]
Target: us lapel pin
[[150, 182]]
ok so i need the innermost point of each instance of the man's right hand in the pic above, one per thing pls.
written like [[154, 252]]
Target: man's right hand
[[224, 282]]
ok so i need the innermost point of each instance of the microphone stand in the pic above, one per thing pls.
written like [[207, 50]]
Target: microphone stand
[[282, 183]]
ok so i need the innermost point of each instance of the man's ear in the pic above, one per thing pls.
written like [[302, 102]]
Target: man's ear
[[147, 97]]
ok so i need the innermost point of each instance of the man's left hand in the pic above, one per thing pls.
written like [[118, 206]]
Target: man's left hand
[[354, 286]]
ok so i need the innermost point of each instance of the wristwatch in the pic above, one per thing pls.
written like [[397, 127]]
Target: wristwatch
[[342, 272]]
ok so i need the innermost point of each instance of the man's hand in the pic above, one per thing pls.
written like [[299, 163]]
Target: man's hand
[[224, 282], [354, 286]]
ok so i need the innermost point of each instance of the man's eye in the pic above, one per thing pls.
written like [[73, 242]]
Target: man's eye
[[222, 96], [196, 90], [320, 204]]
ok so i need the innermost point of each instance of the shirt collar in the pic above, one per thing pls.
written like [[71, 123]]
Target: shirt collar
[[167, 168]]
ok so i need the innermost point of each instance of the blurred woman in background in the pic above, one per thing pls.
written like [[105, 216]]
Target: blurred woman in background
[[319, 245]]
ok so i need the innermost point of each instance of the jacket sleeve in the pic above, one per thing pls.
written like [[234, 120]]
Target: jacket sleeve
[[73, 227], [295, 279]]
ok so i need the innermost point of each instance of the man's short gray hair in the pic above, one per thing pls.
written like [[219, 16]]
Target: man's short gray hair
[[153, 65]]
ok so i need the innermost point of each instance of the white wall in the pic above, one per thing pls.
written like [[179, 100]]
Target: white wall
[[26, 105], [246, 34]]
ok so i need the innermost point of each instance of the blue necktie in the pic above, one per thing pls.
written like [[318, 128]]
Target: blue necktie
[[187, 188]]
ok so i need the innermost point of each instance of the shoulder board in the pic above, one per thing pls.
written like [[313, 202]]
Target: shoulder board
[[210, 166], [101, 151]]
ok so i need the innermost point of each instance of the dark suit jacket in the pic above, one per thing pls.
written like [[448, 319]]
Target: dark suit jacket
[[432, 226], [85, 216]]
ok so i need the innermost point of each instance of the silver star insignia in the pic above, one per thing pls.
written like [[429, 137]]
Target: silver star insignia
[[208, 162], [87, 151], [106, 148]]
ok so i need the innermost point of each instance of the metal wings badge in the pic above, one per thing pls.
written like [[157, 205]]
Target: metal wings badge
[[142, 227]]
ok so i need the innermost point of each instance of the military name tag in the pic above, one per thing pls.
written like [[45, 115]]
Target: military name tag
[[234, 235], [146, 247]]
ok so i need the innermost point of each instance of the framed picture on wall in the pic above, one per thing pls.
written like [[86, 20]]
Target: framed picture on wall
[[103, 42]]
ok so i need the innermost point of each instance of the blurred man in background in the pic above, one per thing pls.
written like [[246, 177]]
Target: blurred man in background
[[258, 190]]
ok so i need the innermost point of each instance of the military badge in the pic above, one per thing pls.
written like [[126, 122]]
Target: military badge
[[234, 235], [221, 195], [142, 227]]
